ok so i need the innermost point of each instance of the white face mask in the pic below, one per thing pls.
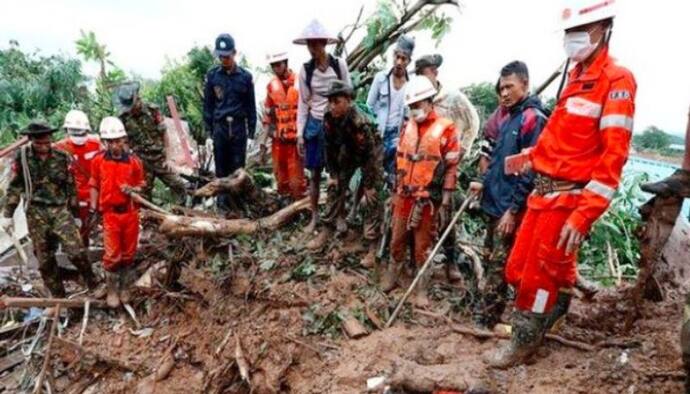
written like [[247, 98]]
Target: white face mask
[[418, 114], [78, 139], [578, 45]]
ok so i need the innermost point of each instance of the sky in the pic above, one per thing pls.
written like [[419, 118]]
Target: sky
[[649, 38]]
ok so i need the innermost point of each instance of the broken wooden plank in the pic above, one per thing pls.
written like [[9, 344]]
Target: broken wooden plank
[[353, 328], [10, 361], [30, 302]]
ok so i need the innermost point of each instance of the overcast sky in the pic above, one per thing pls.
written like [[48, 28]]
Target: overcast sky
[[650, 38]]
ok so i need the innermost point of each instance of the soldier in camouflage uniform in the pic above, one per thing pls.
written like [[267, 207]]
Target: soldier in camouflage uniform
[[352, 143], [51, 203], [146, 130]]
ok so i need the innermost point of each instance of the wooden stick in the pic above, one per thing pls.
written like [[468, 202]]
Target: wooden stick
[[148, 204], [29, 302], [482, 334], [241, 361], [308, 346], [46, 357], [85, 321], [427, 263]]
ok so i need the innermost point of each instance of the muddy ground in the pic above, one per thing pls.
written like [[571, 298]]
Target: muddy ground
[[278, 310]]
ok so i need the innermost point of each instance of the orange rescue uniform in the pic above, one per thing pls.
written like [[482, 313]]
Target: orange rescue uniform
[[281, 115], [427, 157], [82, 155], [120, 212], [585, 142]]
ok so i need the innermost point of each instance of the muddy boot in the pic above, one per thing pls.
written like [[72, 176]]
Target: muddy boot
[[123, 284], [559, 310], [369, 261], [419, 298], [112, 298], [528, 334], [389, 279], [678, 184]]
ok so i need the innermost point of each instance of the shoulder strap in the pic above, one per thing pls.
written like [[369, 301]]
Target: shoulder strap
[[310, 66], [28, 186]]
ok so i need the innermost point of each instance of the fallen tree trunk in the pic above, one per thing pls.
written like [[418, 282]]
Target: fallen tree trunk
[[182, 226], [24, 302], [236, 183], [659, 215]]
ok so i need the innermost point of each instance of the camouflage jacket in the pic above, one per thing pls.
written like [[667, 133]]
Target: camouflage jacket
[[51, 181], [146, 132], [353, 142]]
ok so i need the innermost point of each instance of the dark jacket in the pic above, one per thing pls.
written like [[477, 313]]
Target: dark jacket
[[519, 130], [229, 94]]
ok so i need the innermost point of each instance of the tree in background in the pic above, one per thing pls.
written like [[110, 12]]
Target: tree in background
[[652, 139], [36, 86], [109, 76]]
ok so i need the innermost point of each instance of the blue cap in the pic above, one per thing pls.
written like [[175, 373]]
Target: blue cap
[[225, 45]]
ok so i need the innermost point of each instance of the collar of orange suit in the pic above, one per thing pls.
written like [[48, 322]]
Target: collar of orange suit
[[123, 159], [594, 70]]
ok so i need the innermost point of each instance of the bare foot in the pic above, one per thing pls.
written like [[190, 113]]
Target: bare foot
[[311, 227]]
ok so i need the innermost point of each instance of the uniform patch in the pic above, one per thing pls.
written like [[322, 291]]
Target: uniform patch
[[588, 86], [619, 95], [218, 90]]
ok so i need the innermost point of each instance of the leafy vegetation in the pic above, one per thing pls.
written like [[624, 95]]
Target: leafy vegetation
[[613, 235], [33, 86], [656, 140]]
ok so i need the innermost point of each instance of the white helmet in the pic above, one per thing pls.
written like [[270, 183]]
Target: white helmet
[[276, 56], [418, 89], [582, 12], [76, 119], [112, 128]]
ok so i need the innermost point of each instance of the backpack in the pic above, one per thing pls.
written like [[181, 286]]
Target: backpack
[[310, 66]]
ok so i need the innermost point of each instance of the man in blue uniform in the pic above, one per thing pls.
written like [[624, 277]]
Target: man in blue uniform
[[229, 110]]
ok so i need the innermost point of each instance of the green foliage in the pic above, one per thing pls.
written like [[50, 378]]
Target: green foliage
[[184, 81], [380, 21], [305, 270], [652, 139], [101, 104], [317, 322], [615, 228], [35, 86], [438, 25], [483, 96]]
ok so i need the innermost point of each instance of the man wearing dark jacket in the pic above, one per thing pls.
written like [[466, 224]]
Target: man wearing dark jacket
[[504, 196]]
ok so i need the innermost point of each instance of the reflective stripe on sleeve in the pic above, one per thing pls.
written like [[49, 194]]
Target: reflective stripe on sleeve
[[622, 121], [599, 188]]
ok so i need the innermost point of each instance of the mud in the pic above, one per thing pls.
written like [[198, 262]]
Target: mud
[[278, 310]]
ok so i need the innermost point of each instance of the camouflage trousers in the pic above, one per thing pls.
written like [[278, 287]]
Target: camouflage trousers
[[492, 299], [155, 167], [369, 206], [50, 226]]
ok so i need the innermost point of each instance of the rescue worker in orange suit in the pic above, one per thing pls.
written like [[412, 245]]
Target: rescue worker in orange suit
[[280, 120], [83, 147], [578, 161], [114, 174], [427, 157]]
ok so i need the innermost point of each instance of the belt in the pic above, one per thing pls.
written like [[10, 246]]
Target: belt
[[544, 185]]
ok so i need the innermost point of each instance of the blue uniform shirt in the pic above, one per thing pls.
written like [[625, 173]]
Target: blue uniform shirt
[[229, 94]]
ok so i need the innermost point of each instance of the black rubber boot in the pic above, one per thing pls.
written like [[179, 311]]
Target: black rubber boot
[[528, 335]]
